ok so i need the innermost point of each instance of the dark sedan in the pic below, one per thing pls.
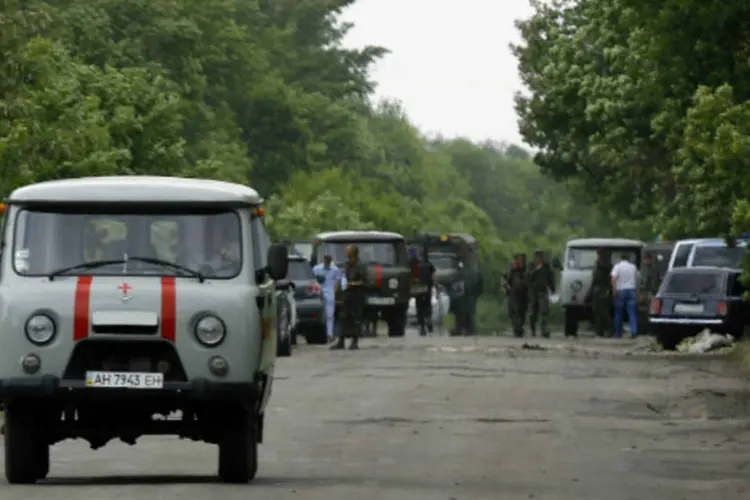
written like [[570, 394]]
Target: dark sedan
[[692, 299], [311, 322]]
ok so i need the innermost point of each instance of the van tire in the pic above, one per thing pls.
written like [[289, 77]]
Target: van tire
[[238, 453], [26, 451], [571, 321]]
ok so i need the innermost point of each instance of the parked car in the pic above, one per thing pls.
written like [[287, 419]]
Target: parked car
[[441, 305], [311, 318], [692, 299]]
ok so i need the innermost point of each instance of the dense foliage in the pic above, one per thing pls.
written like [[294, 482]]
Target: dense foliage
[[259, 92], [646, 105]]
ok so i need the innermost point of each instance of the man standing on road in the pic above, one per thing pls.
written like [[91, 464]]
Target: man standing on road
[[648, 286], [541, 284], [426, 277], [624, 282], [601, 298], [355, 274], [517, 292], [329, 275]]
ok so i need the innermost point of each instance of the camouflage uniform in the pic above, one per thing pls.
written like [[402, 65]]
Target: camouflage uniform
[[541, 284], [353, 305], [601, 297], [648, 286], [517, 296]]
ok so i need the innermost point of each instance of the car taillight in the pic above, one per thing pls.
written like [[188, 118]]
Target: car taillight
[[313, 289], [721, 308], [655, 307]]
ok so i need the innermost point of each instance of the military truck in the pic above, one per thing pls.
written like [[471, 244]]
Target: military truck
[[456, 260], [388, 276], [578, 273]]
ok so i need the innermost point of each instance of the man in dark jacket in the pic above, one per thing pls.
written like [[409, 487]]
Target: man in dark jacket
[[354, 299], [541, 284], [601, 294], [517, 292]]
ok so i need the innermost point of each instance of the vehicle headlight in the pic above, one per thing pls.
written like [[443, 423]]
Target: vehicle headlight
[[576, 286], [210, 331], [40, 329], [393, 283]]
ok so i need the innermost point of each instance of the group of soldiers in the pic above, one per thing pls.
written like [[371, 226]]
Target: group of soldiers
[[528, 288], [601, 292]]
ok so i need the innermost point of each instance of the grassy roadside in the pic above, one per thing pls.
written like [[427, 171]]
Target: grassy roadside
[[741, 354]]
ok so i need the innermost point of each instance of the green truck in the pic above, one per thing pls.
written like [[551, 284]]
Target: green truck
[[389, 276], [456, 260]]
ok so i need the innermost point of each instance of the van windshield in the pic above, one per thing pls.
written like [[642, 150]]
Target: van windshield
[[579, 258], [208, 242], [389, 253]]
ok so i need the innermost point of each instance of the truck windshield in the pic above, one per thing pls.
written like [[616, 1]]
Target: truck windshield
[[207, 242], [585, 258], [714, 256], [389, 253], [444, 262]]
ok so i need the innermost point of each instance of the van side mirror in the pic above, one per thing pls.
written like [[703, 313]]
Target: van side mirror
[[556, 264], [278, 261]]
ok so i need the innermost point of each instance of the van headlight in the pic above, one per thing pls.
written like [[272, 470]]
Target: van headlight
[[210, 331], [40, 329]]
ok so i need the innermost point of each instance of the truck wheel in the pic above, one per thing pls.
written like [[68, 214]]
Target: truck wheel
[[571, 322], [397, 323], [316, 335], [284, 344], [238, 453], [667, 338], [26, 452]]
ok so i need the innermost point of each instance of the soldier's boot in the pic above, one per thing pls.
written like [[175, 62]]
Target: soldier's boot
[[355, 344], [339, 344]]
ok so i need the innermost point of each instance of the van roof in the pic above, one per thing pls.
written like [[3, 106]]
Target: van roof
[[358, 236], [604, 242], [135, 188]]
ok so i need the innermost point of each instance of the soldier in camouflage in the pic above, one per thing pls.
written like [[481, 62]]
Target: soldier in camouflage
[[601, 294], [355, 274], [517, 291], [648, 286], [541, 283]]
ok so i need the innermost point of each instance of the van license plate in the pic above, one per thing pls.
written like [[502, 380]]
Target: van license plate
[[381, 301], [688, 308], [125, 380]]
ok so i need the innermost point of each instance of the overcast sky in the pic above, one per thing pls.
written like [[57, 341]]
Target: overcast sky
[[450, 64]]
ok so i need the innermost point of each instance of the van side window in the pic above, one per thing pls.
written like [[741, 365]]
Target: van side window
[[682, 252], [261, 243]]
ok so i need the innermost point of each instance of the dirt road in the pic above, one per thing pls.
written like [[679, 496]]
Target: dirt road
[[443, 419]]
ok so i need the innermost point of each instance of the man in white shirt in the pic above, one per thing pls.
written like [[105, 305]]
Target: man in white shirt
[[624, 285]]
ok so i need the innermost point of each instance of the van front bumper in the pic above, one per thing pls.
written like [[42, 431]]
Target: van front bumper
[[198, 390]]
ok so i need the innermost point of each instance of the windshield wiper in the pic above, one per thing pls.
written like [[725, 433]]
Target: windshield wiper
[[148, 260]]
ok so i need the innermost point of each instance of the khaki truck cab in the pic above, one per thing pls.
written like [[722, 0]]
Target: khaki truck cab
[[388, 276], [456, 260], [129, 297], [578, 272]]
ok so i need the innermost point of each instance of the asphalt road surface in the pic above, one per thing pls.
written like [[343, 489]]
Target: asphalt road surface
[[453, 418]]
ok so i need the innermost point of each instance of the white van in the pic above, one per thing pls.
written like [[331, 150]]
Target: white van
[[715, 253]]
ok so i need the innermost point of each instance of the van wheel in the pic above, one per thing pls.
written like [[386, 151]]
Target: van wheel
[[238, 453], [571, 322], [26, 451]]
